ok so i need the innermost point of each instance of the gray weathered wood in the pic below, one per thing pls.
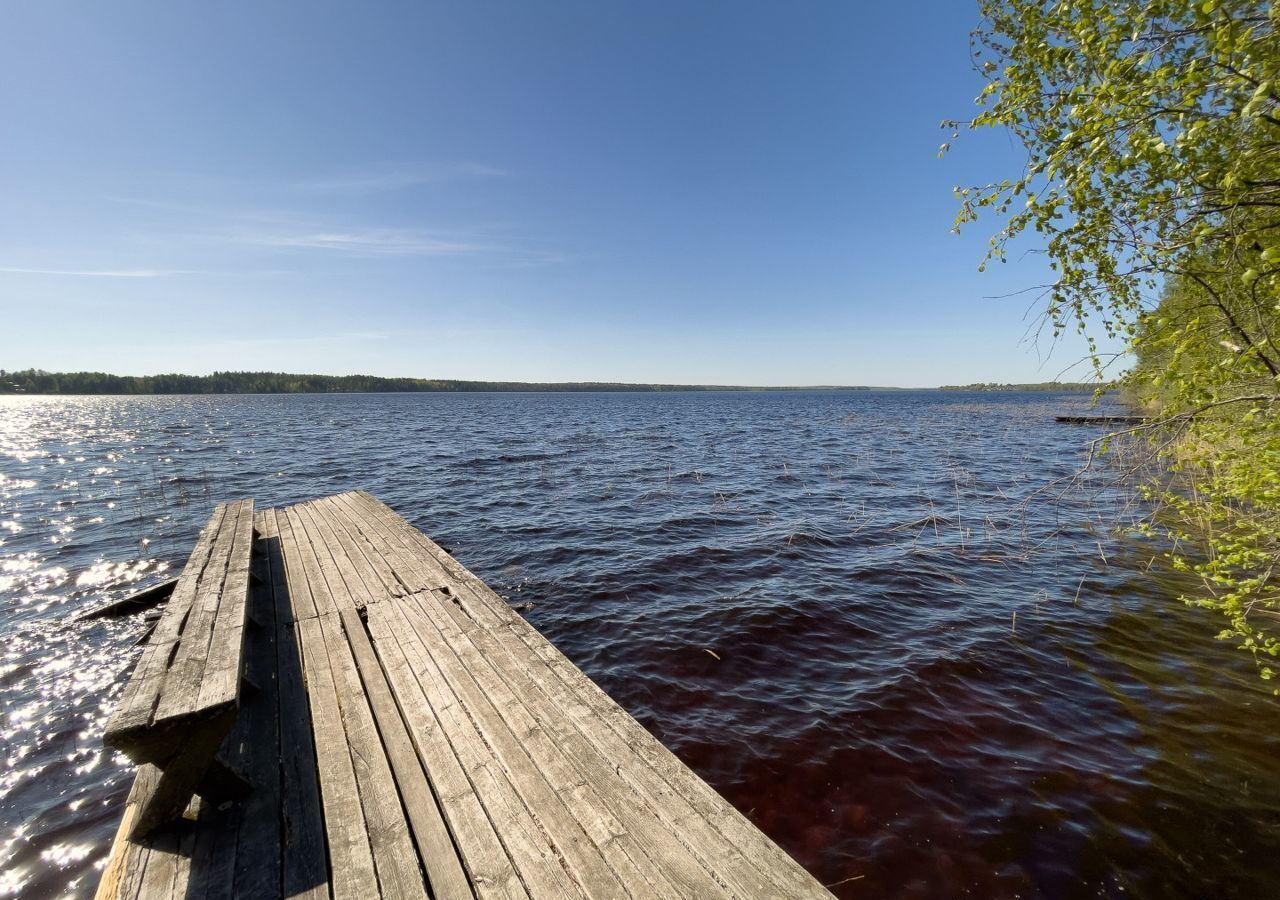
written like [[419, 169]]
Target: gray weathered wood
[[494, 838], [304, 862], [167, 691], [581, 855], [301, 604], [411, 735], [399, 869], [622, 821], [325, 577], [589, 842], [538, 859], [435, 846], [327, 654], [350, 857], [222, 593], [253, 746], [171, 715], [378, 576], [122, 877], [583, 779], [134, 713], [737, 851], [482, 852], [137, 602], [223, 663]]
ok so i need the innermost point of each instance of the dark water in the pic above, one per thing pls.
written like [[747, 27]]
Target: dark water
[[998, 701]]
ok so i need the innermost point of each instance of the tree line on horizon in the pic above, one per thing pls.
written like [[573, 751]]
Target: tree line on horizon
[[1055, 387], [37, 381]]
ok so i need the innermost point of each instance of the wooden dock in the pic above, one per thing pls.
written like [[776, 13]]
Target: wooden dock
[[404, 733]]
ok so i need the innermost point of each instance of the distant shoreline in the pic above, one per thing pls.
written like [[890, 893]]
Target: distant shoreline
[[38, 382], [101, 383], [1048, 387]]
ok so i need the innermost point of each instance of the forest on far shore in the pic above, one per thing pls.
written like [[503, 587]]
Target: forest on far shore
[[36, 381], [1055, 387]]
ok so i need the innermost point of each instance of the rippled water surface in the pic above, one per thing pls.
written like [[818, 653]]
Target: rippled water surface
[[887, 626]]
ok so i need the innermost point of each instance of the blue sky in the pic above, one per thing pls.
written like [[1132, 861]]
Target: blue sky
[[734, 192]]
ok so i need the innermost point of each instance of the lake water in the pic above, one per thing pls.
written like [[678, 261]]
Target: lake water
[[937, 671]]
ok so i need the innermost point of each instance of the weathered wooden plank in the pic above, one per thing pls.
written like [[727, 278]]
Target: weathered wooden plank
[[326, 579], [379, 577], [336, 564], [580, 781], [484, 841], [180, 692], [483, 852], [301, 604], [621, 821], [395, 860], [598, 879], [435, 847], [122, 878], [399, 869], [729, 844], [213, 863], [253, 746], [401, 558], [346, 833], [138, 702], [220, 678], [304, 864], [536, 857], [581, 854], [738, 852], [167, 866], [135, 867], [137, 602], [303, 551]]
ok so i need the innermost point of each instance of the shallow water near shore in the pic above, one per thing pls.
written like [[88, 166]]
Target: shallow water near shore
[[890, 627]]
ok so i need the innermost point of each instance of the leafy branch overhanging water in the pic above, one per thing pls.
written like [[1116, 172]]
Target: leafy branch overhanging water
[[1152, 129]]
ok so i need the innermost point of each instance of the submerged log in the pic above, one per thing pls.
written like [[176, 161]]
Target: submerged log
[[136, 602], [1100, 420]]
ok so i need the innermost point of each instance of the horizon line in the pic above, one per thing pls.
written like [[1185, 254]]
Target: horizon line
[[419, 384]]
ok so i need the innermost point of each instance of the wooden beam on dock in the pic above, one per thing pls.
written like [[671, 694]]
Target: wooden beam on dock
[[139, 601], [411, 735]]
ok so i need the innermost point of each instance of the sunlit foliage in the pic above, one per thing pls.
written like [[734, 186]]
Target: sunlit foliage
[[1153, 183]]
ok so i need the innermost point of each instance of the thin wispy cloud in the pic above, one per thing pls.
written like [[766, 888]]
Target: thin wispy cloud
[[394, 242], [338, 337], [396, 177], [99, 273], [321, 224], [368, 242]]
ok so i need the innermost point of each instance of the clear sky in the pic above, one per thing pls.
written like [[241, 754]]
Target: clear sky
[[733, 192]]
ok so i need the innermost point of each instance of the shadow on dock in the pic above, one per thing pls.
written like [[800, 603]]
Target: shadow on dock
[[272, 843]]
